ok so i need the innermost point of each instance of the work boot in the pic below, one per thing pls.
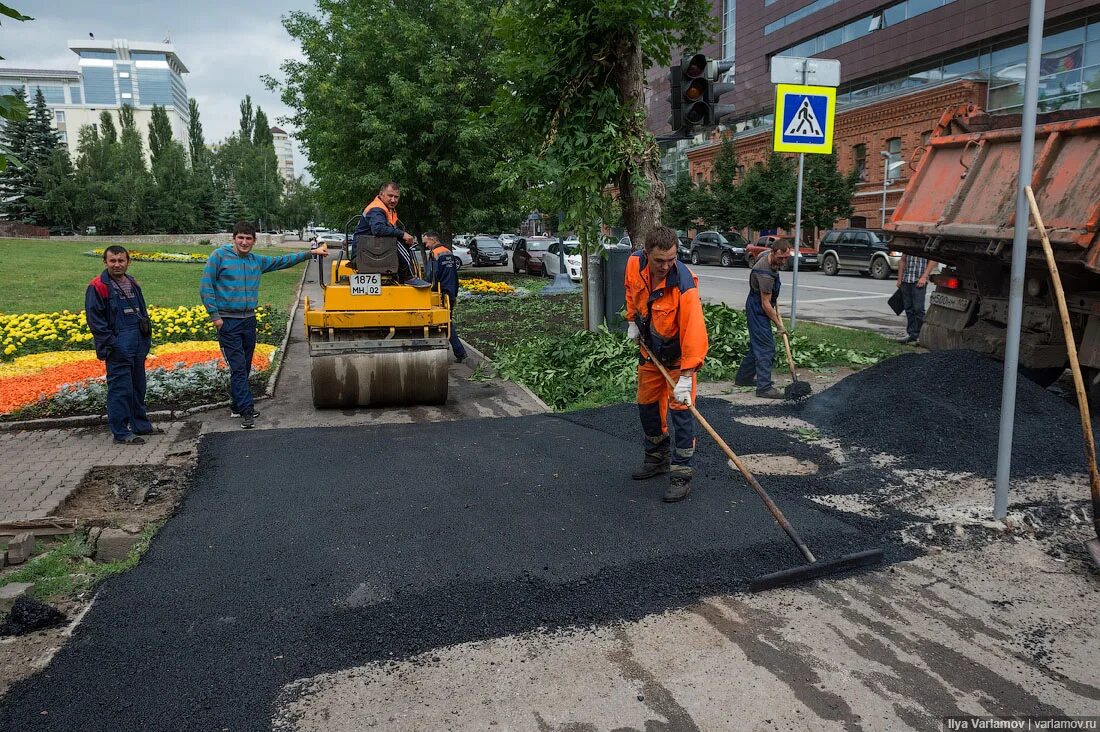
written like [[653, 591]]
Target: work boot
[[679, 484], [656, 458], [417, 283], [771, 393]]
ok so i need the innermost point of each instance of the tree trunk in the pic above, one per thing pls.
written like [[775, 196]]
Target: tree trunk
[[641, 191]]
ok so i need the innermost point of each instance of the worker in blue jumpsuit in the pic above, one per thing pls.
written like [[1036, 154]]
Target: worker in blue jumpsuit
[[761, 312], [119, 321], [443, 274]]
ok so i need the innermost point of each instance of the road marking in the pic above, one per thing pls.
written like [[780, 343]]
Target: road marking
[[800, 286]]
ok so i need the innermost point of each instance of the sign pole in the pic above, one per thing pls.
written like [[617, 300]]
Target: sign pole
[[797, 242]]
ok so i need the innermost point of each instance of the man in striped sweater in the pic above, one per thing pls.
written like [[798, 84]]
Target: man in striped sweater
[[230, 291]]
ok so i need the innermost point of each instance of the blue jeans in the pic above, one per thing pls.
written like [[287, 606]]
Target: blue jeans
[[757, 363], [913, 299], [126, 384], [237, 338]]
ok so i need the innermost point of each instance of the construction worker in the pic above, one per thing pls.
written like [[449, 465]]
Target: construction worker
[[443, 273], [380, 219], [756, 366], [666, 316]]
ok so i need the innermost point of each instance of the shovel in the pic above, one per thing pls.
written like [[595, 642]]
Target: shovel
[[1092, 545], [814, 567], [796, 390]]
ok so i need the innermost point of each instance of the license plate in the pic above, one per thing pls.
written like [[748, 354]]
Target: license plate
[[366, 284], [961, 304]]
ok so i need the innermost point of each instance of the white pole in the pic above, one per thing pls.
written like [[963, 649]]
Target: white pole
[[797, 241], [1019, 259]]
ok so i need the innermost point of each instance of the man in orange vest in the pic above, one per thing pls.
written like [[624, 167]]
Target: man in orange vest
[[380, 219], [665, 315]]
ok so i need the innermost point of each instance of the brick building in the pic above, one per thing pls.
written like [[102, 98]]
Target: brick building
[[898, 126]]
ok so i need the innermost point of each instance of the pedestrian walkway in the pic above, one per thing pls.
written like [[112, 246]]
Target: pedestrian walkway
[[40, 468]]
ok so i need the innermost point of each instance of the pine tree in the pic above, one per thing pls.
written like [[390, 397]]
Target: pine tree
[[42, 140], [205, 193], [231, 210], [18, 178], [58, 203]]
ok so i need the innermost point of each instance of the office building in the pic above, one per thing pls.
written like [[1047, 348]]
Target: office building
[[109, 75], [284, 151], [903, 62]]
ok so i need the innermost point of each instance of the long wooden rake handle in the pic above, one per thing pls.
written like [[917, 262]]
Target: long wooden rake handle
[[749, 477], [1074, 364]]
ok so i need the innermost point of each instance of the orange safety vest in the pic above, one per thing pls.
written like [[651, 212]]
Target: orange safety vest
[[670, 314], [391, 216]]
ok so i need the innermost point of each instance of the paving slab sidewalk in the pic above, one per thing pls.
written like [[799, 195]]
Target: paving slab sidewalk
[[40, 468]]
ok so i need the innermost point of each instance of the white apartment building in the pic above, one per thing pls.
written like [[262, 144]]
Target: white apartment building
[[284, 151]]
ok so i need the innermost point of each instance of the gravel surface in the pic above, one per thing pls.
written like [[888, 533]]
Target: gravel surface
[[299, 552], [942, 409]]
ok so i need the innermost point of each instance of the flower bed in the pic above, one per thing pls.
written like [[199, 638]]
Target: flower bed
[[478, 286], [137, 255], [27, 333], [74, 382]]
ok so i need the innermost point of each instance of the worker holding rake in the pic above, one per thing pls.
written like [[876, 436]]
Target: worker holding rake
[[665, 317]]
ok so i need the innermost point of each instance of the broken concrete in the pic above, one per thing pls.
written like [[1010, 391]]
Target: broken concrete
[[20, 548], [114, 545]]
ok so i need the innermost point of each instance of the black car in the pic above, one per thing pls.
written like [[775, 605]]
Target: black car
[[486, 250], [726, 248], [683, 249], [866, 251]]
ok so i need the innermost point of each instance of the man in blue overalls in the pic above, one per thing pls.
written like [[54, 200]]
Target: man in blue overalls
[[756, 367], [443, 274], [119, 321]]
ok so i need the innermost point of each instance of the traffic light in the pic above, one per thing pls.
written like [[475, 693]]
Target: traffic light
[[716, 89], [676, 119], [695, 91]]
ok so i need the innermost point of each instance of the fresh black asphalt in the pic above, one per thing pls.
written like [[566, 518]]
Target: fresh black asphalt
[[299, 552]]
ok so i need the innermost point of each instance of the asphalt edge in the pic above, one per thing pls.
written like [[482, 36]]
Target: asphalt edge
[[171, 415], [477, 358]]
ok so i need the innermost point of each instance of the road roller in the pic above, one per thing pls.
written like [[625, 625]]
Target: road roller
[[374, 341]]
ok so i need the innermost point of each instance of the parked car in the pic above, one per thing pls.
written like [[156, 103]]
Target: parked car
[[683, 249], [462, 254], [528, 254], [334, 239], [726, 248], [486, 250], [508, 240], [866, 251], [462, 240], [551, 261], [62, 231], [808, 258]]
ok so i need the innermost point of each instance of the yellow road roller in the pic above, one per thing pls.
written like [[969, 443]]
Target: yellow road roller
[[375, 342]]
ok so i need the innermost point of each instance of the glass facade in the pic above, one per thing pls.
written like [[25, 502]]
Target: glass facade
[[52, 94], [98, 54], [155, 86], [797, 15], [861, 26], [99, 85], [729, 29], [75, 95]]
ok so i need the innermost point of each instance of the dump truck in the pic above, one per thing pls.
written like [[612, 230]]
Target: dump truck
[[959, 208]]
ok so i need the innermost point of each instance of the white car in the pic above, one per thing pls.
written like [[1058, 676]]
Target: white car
[[462, 254], [334, 239], [551, 261], [508, 240]]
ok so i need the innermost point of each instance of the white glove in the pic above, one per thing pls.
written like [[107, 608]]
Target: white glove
[[632, 331], [682, 392]]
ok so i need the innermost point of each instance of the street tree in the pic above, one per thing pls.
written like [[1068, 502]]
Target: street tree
[[135, 185], [394, 90], [767, 194], [827, 193], [205, 193], [299, 205], [17, 179], [682, 206], [172, 201], [723, 202], [58, 202], [231, 210], [575, 95]]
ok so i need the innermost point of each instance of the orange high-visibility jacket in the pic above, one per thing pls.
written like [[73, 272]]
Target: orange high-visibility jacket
[[391, 216], [670, 315]]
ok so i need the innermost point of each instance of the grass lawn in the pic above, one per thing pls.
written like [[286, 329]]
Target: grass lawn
[[53, 275]]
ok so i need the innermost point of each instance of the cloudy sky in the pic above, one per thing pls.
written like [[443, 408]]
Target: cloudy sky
[[226, 44]]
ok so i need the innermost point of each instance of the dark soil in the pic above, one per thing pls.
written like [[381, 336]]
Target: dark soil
[[29, 615], [491, 323], [113, 496], [942, 410]]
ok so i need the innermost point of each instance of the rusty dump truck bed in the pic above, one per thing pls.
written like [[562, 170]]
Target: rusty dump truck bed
[[962, 197]]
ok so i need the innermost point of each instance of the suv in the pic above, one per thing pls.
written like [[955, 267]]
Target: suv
[[726, 248], [486, 250], [865, 250]]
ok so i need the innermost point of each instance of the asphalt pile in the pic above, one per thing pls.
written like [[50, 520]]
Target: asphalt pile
[[942, 409], [29, 615]]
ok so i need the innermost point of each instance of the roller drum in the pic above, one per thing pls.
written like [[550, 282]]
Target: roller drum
[[380, 378]]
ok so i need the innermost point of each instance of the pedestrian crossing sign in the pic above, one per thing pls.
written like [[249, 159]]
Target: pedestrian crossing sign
[[804, 118]]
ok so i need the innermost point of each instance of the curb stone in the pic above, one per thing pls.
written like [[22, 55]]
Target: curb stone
[[480, 359], [166, 415]]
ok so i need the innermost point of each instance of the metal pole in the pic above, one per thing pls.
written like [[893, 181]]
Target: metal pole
[[885, 178], [797, 241], [1019, 259]]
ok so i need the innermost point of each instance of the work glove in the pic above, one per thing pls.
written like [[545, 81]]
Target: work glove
[[632, 331], [682, 392]]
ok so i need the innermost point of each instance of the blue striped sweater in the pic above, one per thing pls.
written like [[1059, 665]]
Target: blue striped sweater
[[230, 285]]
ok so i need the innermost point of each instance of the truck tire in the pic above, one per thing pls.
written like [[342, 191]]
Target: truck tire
[[880, 268], [830, 265]]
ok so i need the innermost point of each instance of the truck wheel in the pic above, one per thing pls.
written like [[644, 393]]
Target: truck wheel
[[880, 268], [830, 265]]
